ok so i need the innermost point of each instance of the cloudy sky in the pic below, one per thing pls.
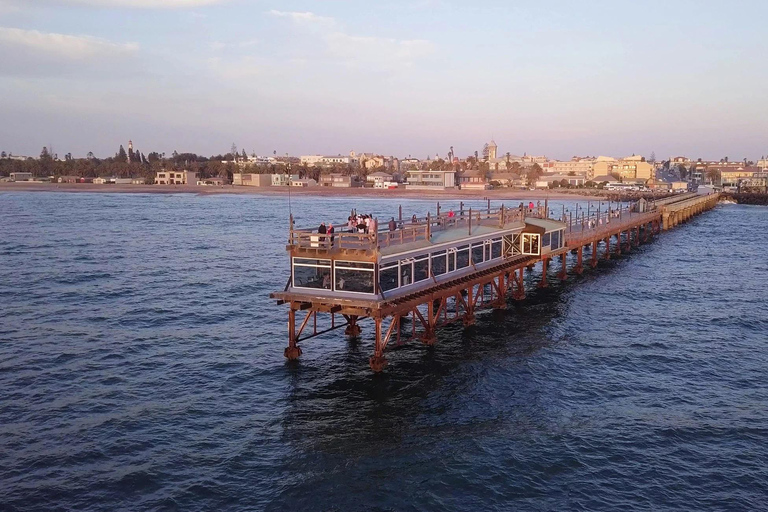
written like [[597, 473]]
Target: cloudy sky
[[399, 77]]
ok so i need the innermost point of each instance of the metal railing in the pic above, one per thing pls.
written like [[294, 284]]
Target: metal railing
[[410, 230], [608, 220]]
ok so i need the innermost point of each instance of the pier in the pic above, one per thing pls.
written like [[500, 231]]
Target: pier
[[445, 267]]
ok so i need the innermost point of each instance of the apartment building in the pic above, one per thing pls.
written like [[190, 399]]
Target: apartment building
[[632, 167], [579, 166], [430, 180], [175, 178]]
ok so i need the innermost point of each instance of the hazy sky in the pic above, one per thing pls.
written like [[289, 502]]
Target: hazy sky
[[399, 77]]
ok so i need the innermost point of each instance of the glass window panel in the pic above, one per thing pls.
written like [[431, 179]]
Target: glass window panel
[[555, 243], [439, 264], [420, 270], [354, 264], [406, 273], [359, 281], [477, 253], [388, 278], [312, 277], [462, 258], [451, 261], [545, 241], [305, 261], [496, 250]]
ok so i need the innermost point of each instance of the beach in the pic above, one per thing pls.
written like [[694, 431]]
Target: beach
[[495, 195]]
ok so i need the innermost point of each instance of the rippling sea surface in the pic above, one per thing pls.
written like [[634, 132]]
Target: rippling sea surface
[[141, 368]]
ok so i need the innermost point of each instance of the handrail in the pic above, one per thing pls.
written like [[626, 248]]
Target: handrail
[[414, 230], [612, 227], [596, 220]]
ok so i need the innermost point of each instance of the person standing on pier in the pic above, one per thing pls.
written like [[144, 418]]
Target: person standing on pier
[[330, 232], [392, 224], [322, 230]]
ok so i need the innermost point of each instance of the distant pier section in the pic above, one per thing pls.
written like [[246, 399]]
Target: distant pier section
[[411, 276]]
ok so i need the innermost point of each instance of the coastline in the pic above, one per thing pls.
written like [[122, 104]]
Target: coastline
[[494, 195]]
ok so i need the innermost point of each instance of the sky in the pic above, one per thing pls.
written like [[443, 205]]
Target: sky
[[395, 77]]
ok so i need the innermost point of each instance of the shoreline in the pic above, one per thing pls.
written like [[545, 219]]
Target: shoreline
[[498, 194]]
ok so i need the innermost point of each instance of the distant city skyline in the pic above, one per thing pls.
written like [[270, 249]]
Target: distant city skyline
[[393, 78]]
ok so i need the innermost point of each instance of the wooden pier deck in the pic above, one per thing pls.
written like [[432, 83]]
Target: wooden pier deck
[[446, 295]]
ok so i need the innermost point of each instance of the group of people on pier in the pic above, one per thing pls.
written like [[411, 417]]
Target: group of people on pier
[[360, 223]]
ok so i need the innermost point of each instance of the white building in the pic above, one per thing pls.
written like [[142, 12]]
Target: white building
[[174, 178], [378, 178], [21, 176], [430, 180], [283, 180], [303, 182], [325, 161]]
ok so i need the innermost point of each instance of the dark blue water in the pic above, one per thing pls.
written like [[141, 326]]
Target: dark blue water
[[141, 368]]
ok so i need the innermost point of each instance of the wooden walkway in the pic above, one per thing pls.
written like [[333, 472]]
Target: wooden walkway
[[435, 304]]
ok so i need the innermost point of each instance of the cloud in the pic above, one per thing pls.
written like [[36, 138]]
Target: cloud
[[142, 4], [378, 51], [62, 45], [305, 18], [39, 53], [219, 45], [6, 7]]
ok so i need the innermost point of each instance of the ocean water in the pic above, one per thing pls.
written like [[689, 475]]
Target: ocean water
[[141, 368]]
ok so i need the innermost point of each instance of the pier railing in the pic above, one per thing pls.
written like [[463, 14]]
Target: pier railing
[[416, 229], [598, 218], [422, 228]]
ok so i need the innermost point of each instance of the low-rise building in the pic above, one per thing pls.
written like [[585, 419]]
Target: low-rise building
[[678, 186], [326, 161], [69, 179], [139, 181], [430, 180], [21, 176], [506, 179], [175, 178], [577, 165], [474, 180], [303, 182], [631, 167], [560, 179], [377, 178], [339, 180], [283, 180], [100, 181], [212, 182], [730, 175], [252, 180]]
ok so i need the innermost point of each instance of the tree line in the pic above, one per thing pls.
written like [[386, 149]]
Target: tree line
[[124, 164]]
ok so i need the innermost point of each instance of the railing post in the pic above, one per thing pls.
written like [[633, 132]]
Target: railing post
[[429, 226], [469, 223]]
